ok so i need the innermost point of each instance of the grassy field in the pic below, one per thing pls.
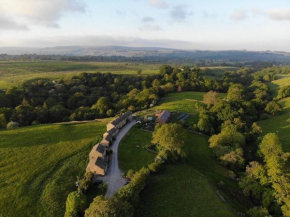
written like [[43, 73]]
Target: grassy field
[[282, 81], [279, 124], [191, 188], [132, 154], [13, 73], [39, 166]]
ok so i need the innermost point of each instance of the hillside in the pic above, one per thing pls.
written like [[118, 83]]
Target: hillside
[[152, 52], [40, 164]]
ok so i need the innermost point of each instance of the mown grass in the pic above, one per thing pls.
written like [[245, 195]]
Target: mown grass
[[191, 188], [132, 152], [39, 166], [14, 73]]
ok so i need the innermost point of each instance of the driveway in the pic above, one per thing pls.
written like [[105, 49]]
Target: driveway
[[114, 176]]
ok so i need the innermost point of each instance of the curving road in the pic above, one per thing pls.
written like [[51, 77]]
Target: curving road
[[114, 176]]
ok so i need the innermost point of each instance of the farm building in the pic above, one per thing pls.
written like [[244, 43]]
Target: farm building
[[120, 121], [98, 163], [163, 117], [109, 136]]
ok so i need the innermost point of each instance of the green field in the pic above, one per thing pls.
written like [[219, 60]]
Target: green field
[[279, 124], [282, 81], [13, 73], [132, 154], [39, 166], [191, 188]]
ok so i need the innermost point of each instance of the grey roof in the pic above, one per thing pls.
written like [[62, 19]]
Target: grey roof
[[101, 148], [121, 118], [102, 163], [164, 116], [112, 131]]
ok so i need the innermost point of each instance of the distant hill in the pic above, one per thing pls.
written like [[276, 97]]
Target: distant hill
[[167, 53]]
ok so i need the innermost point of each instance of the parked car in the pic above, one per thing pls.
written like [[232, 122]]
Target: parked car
[[98, 182]]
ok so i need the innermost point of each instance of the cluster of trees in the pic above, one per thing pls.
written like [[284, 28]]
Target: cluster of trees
[[266, 180], [236, 140], [96, 95]]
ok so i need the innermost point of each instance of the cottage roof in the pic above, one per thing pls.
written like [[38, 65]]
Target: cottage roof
[[164, 116], [102, 163], [101, 148], [112, 131], [121, 118]]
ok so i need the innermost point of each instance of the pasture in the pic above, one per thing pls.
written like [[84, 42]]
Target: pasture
[[279, 124], [40, 164], [191, 188], [13, 73]]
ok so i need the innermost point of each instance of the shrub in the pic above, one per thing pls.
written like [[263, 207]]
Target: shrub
[[154, 167], [75, 204], [12, 125], [130, 173]]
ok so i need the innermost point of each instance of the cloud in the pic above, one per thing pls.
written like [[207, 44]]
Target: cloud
[[42, 12], [239, 15], [9, 24], [180, 13], [159, 4], [209, 16], [280, 14], [153, 28], [148, 19]]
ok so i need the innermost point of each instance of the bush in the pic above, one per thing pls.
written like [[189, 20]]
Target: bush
[[130, 173], [75, 204], [85, 182], [154, 167], [12, 125]]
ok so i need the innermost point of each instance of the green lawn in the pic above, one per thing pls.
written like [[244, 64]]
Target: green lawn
[[191, 188], [39, 166], [132, 154]]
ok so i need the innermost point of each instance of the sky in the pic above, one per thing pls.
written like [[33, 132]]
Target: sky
[[183, 24]]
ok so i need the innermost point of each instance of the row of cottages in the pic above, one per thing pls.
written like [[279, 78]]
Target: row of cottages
[[98, 161], [163, 117]]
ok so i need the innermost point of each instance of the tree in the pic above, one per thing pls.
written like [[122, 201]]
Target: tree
[[103, 104], [210, 97], [284, 92], [3, 122], [258, 212], [228, 145], [170, 138], [273, 108], [277, 170], [139, 71], [236, 92], [12, 125], [102, 207], [76, 203]]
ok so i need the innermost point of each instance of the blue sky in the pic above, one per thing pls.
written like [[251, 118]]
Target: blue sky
[[185, 24]]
